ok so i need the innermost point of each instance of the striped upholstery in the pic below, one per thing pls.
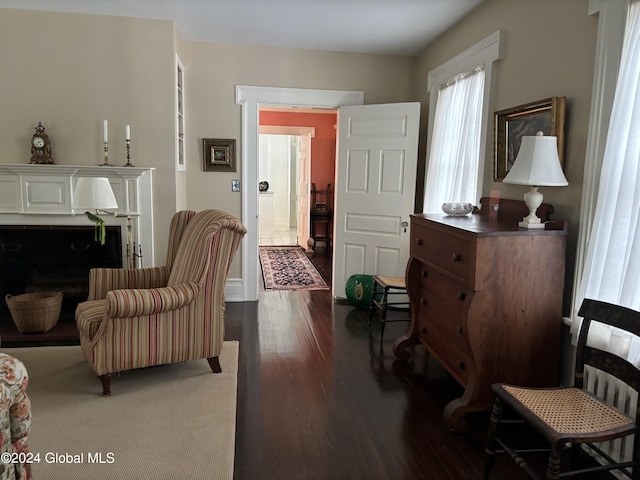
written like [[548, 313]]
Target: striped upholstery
[[164, 314], [103, 280], [176, 229]]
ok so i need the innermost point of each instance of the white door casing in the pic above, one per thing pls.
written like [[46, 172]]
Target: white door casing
[[375, 190], [250, 98], [305, 134], [304, 174]]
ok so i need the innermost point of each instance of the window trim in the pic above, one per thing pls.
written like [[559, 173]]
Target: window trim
[[485, 52]]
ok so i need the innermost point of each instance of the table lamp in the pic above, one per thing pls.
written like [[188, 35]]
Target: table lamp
[[94, 193], [536, 165]]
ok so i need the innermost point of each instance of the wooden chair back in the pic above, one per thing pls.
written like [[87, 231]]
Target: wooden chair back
[[591, 353]]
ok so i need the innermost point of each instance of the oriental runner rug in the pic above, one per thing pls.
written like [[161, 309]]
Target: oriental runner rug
[[289, 268]]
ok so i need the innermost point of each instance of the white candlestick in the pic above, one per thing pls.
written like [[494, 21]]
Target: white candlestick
[[127, 132], [106, 132]]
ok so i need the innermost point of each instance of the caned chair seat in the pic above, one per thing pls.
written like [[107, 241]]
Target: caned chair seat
[[568, 411], [390, 282], [383, 287]]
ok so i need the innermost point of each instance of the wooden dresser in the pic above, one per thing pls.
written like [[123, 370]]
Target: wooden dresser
[[486, 301]]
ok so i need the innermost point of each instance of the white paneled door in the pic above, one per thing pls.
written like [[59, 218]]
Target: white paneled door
[[375, 190]]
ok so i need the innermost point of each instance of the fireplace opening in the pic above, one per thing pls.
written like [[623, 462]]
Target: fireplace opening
[[44, 258]]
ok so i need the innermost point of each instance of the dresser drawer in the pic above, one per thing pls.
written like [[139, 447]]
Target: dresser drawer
[[455, 292], [452, 253], [442, 330]]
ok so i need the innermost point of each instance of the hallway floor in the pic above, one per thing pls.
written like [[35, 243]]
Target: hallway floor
[[280, 237]]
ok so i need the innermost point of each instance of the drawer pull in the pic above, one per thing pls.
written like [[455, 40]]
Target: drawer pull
[[424, 273], [418, 241], [456, 257], [422, 301], [459, 329], [462, 296]]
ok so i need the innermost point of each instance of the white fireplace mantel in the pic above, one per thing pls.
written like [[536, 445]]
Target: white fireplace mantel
[[33, 194]]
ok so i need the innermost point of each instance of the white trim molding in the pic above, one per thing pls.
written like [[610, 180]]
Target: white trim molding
[[35, 194], [251, 98]]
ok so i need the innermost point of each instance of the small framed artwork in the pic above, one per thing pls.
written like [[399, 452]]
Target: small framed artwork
[[219, 154], [512, 124]]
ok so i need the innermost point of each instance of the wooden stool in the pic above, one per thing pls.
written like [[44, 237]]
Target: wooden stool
[[386, 286]]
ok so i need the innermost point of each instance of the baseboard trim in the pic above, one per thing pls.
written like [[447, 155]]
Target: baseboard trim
[[234, 290]]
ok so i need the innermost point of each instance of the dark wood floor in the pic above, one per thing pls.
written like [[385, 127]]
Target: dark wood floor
[[320, 397]]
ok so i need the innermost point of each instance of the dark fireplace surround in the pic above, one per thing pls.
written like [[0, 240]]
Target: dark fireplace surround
[[36, 258]]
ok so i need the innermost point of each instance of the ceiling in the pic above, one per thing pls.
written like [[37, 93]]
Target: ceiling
[[401, 27]]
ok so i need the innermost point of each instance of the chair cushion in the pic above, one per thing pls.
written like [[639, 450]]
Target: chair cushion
[[89, 316], [570, 410]]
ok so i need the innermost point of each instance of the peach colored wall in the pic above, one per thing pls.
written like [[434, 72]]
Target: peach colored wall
[[323, 145]]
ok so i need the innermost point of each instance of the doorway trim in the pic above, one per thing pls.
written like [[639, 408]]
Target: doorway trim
[[297, 131], [250, 98]]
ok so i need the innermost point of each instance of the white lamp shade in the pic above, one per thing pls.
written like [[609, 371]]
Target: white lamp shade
[[537, 163], [94, 193]]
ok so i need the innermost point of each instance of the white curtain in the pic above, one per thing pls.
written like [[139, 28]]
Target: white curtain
[[452, 174], [612, 266]]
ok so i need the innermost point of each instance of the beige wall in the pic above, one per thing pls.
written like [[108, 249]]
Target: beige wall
[[214, 70], [71, 72], [549, 51]]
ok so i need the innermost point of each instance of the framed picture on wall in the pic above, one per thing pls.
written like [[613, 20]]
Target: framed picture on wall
[[219, 155], [511, 124]]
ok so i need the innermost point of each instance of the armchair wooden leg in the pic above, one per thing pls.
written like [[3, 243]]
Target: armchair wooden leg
[[106, 384], [214, 363]]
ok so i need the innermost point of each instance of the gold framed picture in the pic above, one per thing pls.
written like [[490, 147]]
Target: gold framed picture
[[511, 124], [219, 154]]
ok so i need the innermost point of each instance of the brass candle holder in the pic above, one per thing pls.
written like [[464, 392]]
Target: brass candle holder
[[106, 156], [129, 164], [132, 254]]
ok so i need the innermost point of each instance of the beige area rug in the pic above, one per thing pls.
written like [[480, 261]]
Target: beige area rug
[[167, 422]]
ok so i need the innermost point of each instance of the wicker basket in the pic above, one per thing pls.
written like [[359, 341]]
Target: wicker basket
[[35, 312]]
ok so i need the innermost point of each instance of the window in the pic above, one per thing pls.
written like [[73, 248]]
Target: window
[[458, 117], [612, 254], [455, 146]]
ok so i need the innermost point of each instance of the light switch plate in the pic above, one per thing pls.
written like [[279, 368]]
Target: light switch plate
[[235, 185]]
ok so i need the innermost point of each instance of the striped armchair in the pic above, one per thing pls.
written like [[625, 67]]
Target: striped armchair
[[137, 318]]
